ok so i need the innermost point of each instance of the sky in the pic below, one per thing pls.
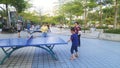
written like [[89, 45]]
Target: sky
[[43, 5]]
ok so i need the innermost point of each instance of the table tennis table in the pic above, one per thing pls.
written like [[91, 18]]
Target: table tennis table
[[10, 45]]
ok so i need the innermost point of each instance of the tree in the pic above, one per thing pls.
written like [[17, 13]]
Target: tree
[[58, 19], [115, 3], [108, 15], [30, 16], [72, 8], [88, 5], [20, 5], [116, 12]]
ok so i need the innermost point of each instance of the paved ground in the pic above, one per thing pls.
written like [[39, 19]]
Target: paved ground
[[93, 53]]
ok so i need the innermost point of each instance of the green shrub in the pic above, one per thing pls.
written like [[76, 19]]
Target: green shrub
[[1, 25], [114, 31], [85, 28], [102, 27]]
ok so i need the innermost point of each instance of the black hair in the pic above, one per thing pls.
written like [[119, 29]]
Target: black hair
[[72, 29], [76, 22]]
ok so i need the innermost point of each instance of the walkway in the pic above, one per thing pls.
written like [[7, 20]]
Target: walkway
[[93, 53]]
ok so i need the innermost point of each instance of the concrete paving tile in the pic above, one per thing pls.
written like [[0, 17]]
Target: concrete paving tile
[[28, 66], [16, 67], [22, 66], [93, 53]]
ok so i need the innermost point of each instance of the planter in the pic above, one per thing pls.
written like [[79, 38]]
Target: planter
[[108, 36]]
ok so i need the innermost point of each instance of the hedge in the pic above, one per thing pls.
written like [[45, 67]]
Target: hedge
[[1, 25], [102, 27], [114, 31]]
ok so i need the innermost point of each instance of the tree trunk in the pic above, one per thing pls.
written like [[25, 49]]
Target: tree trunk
[[7, 17], [70, 17], [85, 16], [116, 12], [100, 14]]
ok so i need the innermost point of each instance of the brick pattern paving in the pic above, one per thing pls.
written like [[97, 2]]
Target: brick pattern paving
[[93, 53], [20, 59]]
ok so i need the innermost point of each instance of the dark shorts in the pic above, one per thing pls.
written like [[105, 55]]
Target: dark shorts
[[73, 48], [19, 30]]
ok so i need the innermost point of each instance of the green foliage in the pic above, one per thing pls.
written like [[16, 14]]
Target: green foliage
[[109, 20], [91, 5], [108, 12], [114, 31], [35, 18], [102, 27], [74, 8], [93, 16], [2, 13], [85, 28], [108, 1], [1, 25], [48, 19], [30, 16], [81, 22], [20, 5], [59, 19]]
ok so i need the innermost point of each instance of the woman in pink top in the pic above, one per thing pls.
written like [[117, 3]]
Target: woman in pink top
[[78, 31]]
